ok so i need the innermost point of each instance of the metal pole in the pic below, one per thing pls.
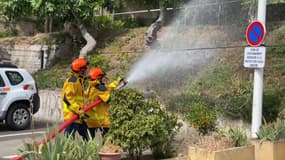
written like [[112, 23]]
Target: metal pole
[[258, 81]]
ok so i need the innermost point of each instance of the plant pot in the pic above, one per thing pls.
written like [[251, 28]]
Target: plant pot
[[237, 153], [110, 156], [269, 150]]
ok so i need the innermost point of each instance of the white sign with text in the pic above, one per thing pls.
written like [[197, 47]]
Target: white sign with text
[[254, 57]]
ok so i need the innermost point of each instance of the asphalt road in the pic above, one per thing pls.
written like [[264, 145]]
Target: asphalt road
[[11, 141]]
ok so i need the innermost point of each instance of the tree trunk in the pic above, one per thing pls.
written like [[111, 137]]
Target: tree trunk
[[50, 24], [46, 24], [151, 33], [90, 41]]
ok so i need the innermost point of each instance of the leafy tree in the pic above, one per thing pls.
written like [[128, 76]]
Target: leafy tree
[[47, 9], [78, 11], [71, 10], [11, 10]]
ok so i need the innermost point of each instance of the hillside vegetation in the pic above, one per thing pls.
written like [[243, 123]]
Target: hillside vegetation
[[225, 85], [116, 58]]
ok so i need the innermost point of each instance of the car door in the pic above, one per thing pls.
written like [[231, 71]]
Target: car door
[[2, 90]]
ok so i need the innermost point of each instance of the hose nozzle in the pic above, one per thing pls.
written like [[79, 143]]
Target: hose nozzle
[[122, 83]]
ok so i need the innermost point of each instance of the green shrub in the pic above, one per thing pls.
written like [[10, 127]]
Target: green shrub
[[271, 106], [49, 79], [235, 106], [182, 103], [202, 117], [106, 23], [134, 23], [280, 39], [139, 124], [239, 106], [272, 131], [62, 147], [280, 50], [10, 30], [98, 60], [238, 137], [3, 34]]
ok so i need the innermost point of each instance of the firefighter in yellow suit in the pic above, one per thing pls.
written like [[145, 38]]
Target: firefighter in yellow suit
[[73, 97], [99, 117]]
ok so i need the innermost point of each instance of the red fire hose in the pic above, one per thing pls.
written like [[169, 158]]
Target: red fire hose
[[64, 125]]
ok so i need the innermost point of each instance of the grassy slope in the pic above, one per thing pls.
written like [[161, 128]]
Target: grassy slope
[[229, 85], [231, 73], [219, 83], [121, 52]]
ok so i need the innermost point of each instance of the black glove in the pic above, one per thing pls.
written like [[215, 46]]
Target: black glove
[[122, 80], [82, 115]]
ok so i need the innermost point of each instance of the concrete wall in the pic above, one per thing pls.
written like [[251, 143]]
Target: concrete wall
[[219, 13], [31, 57], [50, 109], [24, 27]]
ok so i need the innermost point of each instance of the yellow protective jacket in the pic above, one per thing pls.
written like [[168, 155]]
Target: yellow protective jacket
[[99, 116], [73, 96]]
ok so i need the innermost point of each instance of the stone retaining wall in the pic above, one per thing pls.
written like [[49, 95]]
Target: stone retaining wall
[[31, 57], [50, 106]]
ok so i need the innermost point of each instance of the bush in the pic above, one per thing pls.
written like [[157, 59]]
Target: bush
[[271, 106], [202, 117], [272, 131], [280, 50], [50, 78], [280, 39], [139, 124], [106, 23], [134, 23], [9, 30], [106, 28], [238, 137], [62, 147], [236, 106], [182, 103], [98, 60], [239, 106]]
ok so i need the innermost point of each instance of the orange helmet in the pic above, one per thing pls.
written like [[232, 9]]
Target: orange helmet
[[78, 63], [96, 73]]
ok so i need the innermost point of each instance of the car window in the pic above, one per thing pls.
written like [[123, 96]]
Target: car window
[[2, 84], [14, 77]]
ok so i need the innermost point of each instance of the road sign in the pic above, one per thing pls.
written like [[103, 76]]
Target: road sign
[[255, 33], [254, 57]]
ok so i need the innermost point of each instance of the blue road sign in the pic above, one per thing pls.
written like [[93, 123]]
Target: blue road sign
[[255, 33]]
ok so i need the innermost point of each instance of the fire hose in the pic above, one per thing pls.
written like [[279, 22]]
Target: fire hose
[[72, 119], [63, 126]]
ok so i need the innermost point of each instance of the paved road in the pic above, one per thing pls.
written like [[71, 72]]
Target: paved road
[[10, 141]]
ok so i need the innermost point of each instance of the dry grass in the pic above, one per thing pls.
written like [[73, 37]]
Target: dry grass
[[214, 143]]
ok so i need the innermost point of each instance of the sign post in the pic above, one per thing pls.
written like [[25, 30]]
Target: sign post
[[255, 58]]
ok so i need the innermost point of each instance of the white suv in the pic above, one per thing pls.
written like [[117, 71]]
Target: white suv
[[18, 97]]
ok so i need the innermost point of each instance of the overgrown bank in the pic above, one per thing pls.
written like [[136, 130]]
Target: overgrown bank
[[225, 87]]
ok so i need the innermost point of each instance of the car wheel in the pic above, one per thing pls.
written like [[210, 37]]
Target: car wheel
[[18, 117]]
